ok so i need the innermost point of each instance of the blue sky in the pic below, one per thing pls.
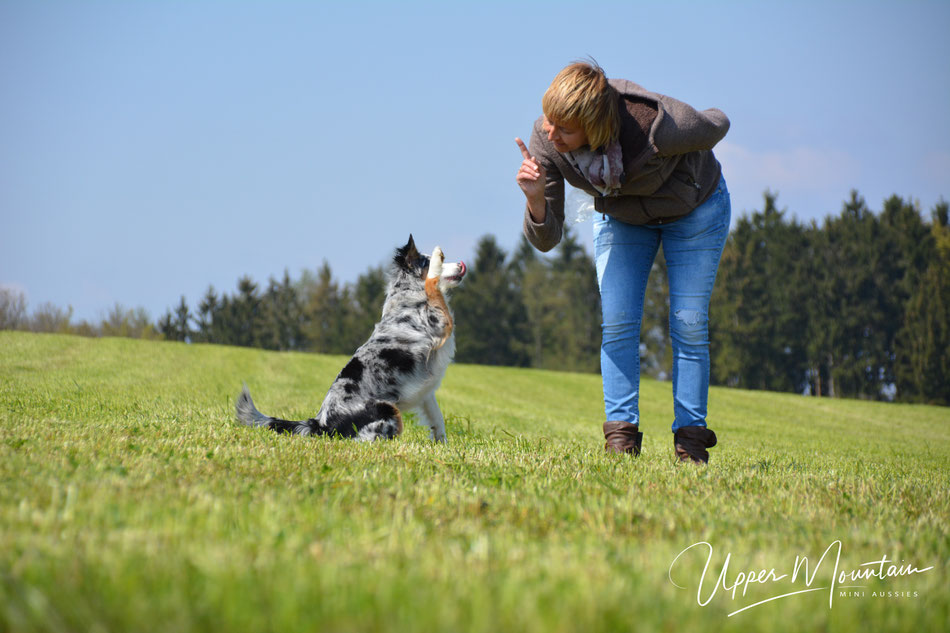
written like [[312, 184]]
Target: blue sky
[[149, 149]]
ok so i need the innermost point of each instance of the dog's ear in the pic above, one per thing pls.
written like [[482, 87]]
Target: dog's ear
[[407, 255]]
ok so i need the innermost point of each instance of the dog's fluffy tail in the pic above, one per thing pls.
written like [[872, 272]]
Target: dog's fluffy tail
[[248, 414]]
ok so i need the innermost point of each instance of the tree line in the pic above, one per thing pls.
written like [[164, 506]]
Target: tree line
[[857, 305], [517, 309], [50, 318]]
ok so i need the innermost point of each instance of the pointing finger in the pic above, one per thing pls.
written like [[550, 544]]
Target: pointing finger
[[524, 150]]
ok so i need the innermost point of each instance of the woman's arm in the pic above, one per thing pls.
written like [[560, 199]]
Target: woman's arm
[[683, 129], [544, 215]]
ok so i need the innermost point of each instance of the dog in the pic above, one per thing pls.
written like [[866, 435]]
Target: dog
[[399, 368]]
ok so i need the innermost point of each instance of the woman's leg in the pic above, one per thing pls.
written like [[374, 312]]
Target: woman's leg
[[624, 255], [692, 247]]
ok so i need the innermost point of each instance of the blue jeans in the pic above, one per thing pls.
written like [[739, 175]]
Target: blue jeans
[[624, 256]]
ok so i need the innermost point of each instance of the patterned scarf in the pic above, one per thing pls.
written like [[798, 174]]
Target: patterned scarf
[[603, 169]]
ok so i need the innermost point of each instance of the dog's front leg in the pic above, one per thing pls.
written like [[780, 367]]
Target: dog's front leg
[[436, 298], [431, 410]]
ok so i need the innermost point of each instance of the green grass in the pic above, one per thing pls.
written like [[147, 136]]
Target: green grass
[[131, 501]]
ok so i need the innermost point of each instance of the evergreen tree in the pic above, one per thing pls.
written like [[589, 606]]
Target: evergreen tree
[[561, 306], [576, 305], [282, 316], [815, 276], [853, 312], [906, 247], [326, 309], [176, 326], [208, 312], [490, 314], [923, 370], [166, 326], [526, 271], [183, 321], [367, 298], [656, 356], [243, 317], [756, 324]]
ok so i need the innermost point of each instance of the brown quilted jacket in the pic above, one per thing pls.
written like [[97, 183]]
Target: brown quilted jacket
[[669, 165]]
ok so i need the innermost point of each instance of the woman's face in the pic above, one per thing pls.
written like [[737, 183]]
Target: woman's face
[[567, 137]]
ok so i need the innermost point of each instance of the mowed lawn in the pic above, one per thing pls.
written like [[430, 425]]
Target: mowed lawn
[[130, 500]]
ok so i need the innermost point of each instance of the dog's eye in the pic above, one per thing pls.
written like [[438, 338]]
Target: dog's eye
[[422, 265]]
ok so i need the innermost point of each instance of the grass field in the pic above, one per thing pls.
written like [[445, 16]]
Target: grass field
[[131, 501]]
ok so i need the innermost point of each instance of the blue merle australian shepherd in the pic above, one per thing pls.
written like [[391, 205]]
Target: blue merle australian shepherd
[[399, 368]]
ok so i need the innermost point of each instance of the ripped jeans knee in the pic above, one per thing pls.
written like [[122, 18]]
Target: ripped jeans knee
[[689, 327]]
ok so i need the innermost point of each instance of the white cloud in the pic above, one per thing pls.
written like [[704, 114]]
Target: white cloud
[[810, 181], [936, 167], [797, 169]]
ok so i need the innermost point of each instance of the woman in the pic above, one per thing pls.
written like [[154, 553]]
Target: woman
[[647, 159]]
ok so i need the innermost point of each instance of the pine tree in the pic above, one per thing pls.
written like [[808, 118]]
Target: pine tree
[[854, 311], [207, 314], [528, 272], [656, 356], [325, 312], [244, 317], [490, 315], [906, 247], [175, 325], [923, 368], [183, 321], [282, 316], [366, 298], [561, 307], [577, 305], [756, 325]]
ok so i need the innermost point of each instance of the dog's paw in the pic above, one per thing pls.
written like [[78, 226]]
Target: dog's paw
[[435, 263]]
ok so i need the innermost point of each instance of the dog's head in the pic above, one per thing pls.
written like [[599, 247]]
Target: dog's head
[[410, 261]]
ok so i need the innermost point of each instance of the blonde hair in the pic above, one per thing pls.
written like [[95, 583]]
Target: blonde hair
[[581, 95]]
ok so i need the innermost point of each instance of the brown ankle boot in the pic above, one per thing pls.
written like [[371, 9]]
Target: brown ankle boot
[[622, 437], [691, 442]]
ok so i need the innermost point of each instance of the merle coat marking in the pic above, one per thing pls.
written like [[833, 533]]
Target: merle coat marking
[[398, 368]]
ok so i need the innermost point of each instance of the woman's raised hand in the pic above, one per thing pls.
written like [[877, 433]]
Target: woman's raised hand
[[531, 176]]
